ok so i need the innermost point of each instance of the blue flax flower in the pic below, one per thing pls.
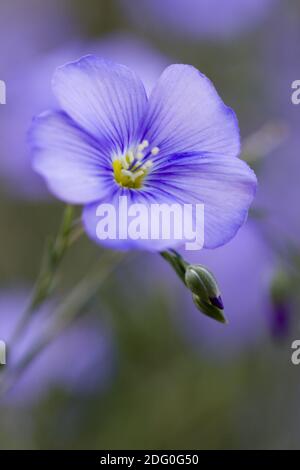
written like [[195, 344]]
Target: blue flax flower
[[109, 139]]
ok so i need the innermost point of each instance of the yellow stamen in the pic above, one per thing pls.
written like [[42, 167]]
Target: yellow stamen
[[129, 169]]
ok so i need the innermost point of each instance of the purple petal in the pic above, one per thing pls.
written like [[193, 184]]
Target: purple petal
[[185, 113], [106, 99], [217, 302], [73, 163], [226, 187]]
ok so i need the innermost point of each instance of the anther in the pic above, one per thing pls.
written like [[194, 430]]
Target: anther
[[155, 151], [139, 155]]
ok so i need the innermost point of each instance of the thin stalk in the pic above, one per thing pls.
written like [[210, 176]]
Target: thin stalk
[[67, 313], [54, 252]]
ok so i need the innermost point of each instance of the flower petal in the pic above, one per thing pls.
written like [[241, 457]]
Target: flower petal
[[185, 113], [106, 99], [226, 187], [74, 165]]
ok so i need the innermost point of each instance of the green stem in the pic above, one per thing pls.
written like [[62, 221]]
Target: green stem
[[54, 253], [176, 261]]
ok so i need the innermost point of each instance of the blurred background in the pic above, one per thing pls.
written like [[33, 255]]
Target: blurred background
[[143, 369]]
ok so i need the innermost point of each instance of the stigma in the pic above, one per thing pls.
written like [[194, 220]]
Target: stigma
[[131, 167]]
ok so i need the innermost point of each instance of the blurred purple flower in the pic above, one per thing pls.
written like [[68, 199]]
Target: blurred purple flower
[[243, 268], [27, 31], [31, 28], [109, 140], [212, 19], [28, 94], [279, 188], [79, 360]]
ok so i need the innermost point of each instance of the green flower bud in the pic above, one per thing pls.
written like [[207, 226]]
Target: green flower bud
[[203, 284], [206, 293], [209, 310]]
